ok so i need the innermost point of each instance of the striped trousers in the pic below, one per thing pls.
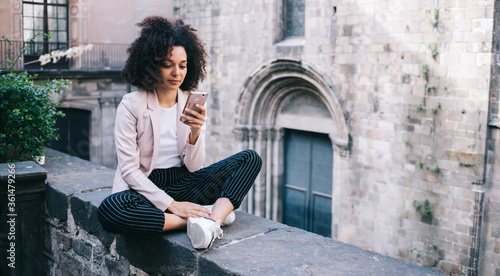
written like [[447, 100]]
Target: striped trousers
[[129, 212]]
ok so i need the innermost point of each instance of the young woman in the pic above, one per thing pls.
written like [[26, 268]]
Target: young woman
[[160, 184]]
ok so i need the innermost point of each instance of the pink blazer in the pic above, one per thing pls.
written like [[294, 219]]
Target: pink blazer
[[137, 136]]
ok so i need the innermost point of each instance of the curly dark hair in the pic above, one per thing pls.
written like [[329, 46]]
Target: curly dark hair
[[157, 38]]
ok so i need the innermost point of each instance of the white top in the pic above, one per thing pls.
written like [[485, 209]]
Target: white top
[[168, 156]]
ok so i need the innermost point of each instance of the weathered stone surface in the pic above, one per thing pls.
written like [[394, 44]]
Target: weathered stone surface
[[250, 246], [290, 251], [71, 265], [22, 232], [167, 254], [26, 170], [60, 163], [82, 248], [84, 210], [57, 203], [246, 226], [70, 175], [116, 267]]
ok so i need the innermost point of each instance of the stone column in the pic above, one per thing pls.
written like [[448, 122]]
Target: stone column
[[277, 173], [22, 227]]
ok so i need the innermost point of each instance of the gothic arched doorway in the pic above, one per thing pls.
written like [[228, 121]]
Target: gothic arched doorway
[[286, 99]]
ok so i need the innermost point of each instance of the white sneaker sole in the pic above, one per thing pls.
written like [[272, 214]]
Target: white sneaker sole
[[200, 238]]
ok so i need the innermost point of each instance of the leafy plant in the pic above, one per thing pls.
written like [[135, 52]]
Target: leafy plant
[[436, 169], [465, 164], [424, 69], [429, 89], [423, 207], [420, 106], [27, 113], [433, 47], [432, 16], [419, 163], [462, 111]]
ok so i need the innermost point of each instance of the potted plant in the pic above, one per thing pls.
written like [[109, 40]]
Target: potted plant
[[27, 112]]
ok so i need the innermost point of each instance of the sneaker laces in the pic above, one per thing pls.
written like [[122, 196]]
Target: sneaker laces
[[217, 232]]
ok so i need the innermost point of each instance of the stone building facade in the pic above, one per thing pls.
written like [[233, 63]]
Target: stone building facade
[[408, 97], [392, 104], [96, 85]]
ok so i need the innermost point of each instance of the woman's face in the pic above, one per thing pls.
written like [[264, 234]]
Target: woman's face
[[173, 69]]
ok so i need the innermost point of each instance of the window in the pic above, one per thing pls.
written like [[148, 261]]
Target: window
[[45, 16], [294, 18]]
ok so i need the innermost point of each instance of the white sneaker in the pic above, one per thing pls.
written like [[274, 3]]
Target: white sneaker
[[228, 220], [203, 232]]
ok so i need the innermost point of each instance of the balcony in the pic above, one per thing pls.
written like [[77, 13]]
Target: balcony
[[71, 56]]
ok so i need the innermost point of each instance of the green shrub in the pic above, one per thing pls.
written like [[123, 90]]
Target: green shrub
[[27, 113], [27, 116]]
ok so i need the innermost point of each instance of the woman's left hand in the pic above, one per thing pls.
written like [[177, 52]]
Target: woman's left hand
[[196, 122]]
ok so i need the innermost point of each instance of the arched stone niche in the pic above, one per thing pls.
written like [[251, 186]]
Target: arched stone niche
[[279, 95]]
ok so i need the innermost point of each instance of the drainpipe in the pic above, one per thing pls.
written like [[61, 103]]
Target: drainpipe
[[479, 186]]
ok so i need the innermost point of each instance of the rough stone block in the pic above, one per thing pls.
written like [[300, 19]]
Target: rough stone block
[[57, 203], [495, 232], [116, 267], [71, 265], [497, 247], [84, 210], [63, 241], [60, 163], [461, 249], [82, 248], [168, 254], [69, 175], [463, 205], [25, 171]]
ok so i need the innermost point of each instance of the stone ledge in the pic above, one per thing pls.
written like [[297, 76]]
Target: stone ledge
[[26, 170], [84, 211], [250, 246], [69, 175]]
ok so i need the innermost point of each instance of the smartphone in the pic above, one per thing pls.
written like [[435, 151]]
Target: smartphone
[[193, 99]]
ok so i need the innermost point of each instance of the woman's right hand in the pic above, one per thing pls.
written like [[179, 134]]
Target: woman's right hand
[[188, 209]]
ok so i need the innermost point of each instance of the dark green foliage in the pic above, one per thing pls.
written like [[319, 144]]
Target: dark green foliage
[[423, 207], [27, 115], [27, 112]]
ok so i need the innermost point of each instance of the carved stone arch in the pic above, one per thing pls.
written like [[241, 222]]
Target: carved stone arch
[[258, 125], [273, 81]]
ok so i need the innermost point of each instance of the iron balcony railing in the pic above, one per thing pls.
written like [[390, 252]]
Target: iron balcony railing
[[63, 56]]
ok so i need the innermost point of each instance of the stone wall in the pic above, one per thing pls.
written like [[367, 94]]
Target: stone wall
[[490, 240], [413, 78], [76, 244]]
